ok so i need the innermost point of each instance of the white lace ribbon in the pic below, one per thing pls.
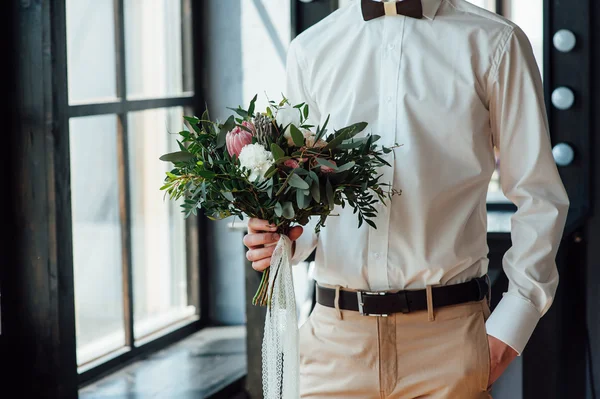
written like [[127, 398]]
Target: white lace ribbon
[[280, 354]]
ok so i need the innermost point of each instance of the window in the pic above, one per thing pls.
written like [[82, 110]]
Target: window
[[130, 83]]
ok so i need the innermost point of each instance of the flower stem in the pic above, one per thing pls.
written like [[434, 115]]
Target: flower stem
[[263, 293]]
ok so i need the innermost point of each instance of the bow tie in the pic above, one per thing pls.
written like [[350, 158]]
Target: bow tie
[[375, 9]]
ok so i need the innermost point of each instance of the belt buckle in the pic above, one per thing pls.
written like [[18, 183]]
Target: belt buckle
[[361, 310]]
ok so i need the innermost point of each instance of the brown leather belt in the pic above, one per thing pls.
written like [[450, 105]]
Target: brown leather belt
[[385, 303]]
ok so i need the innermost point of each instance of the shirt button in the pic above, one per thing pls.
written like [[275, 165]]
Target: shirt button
[[391, 46], [376, 255], [389, 99]]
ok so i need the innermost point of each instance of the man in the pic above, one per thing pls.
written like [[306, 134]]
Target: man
[[448, 82]]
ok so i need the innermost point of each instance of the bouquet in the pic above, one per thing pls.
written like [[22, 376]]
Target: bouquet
[[274, 165]]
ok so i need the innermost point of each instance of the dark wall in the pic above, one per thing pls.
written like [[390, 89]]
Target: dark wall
[[592, 233], [38, 329]]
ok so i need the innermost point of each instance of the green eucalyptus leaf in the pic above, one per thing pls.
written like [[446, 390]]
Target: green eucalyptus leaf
[[270, 188], [278, 209], [297, 136], [298, 182], [371, 223], [252, 106], [301, 171], [228, 195], [225, 128], [271, 172], [324, 162], [323, 130], [178, 156], [345, 167], [345, 134], [314, 190], [277, 151], [375, 137], [313, 176], [192, 120], [240, 112], [207, 174], [288, 210], [300, 199], [194, 123], [329, 191], [352, 143]]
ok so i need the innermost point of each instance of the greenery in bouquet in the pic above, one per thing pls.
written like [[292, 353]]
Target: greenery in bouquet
[[274, 166]]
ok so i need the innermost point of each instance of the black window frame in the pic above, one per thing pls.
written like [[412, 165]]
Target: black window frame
[[196, 255]]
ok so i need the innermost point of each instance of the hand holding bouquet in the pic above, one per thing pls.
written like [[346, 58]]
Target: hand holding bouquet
[[275, 166]]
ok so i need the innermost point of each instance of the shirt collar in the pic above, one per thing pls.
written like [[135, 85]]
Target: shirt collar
[[430, 7]]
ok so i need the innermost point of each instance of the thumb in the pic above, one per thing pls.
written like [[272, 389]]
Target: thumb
[[295, 233]]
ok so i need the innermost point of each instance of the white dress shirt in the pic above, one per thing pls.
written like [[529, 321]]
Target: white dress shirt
[[447, 88]]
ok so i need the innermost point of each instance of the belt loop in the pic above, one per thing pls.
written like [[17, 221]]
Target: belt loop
[[336, 302], [430, 314]]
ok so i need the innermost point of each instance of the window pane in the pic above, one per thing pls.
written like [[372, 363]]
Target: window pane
[[96, 236], [487, 4], [91, 54], [529, 15], [153, 44], [158, 226]]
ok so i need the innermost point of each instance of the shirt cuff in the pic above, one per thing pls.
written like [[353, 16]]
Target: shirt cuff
[[513, 321], [305, 244]]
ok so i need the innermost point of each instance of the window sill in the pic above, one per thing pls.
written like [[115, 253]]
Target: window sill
[[199, 366]]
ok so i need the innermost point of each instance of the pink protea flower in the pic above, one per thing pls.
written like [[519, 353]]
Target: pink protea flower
[[327, 169], [292, 163], [238, 138]]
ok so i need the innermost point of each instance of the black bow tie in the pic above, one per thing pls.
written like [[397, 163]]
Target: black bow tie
[[375, 9]]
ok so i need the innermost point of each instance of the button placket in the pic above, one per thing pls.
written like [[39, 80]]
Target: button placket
[[378, 239]]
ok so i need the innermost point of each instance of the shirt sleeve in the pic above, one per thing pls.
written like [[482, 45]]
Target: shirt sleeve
[[297, 92], [529, 178]]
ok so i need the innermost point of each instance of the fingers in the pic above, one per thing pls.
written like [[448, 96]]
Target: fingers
[[258, 239], [261, 243], [256, 225], [295, 233], [255, 255], [261, 265]]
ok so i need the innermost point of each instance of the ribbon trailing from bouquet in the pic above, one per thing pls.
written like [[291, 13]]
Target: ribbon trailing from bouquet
[[280, 353]]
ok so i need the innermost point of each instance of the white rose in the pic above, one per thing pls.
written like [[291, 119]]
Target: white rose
[[257, 159], [285, 116]]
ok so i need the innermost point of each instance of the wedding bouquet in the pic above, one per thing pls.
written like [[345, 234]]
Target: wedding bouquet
[[272, 166], [275, 166]]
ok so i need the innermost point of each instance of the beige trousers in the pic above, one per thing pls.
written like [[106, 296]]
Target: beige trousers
[[440, 354]]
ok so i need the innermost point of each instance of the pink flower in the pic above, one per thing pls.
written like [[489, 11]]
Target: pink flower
[[292, 163], [327, 169], [238, 138]]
